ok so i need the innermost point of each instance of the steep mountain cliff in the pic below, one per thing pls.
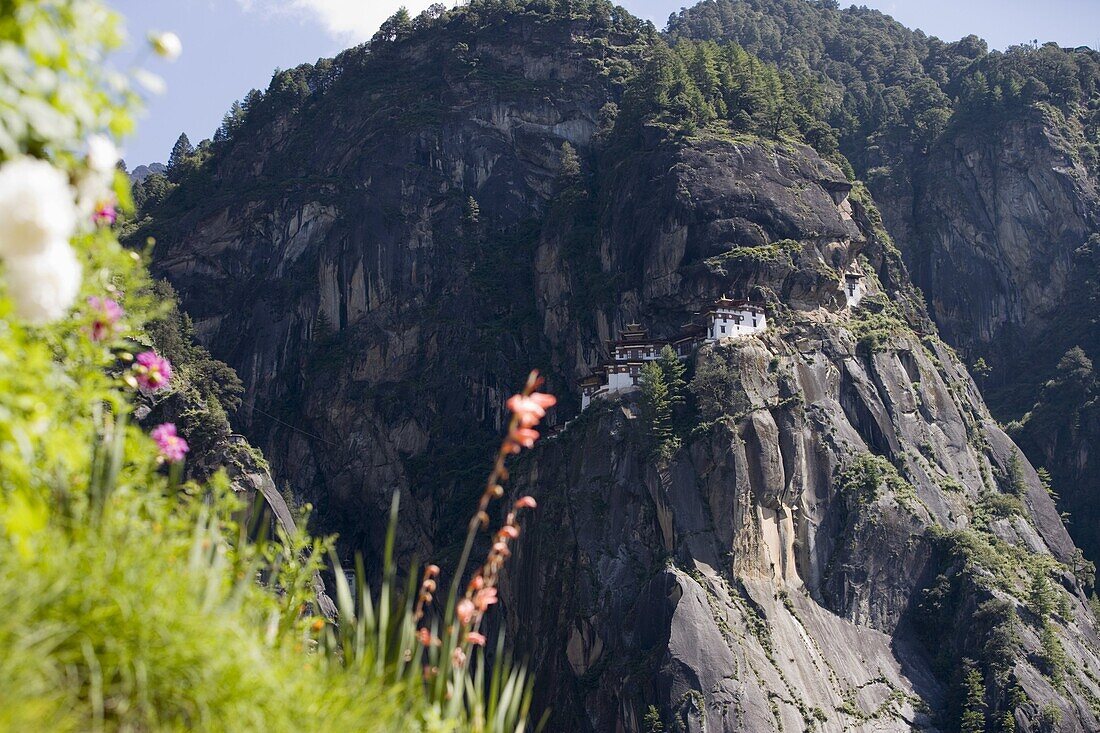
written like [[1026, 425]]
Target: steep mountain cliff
[[1001, 228], [838, 536], [985, 167]]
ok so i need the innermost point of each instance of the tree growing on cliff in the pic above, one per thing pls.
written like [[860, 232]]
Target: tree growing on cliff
[[569, 169], [657, 409], [232, 122], [1041, 596], [1017, 482], [973, 715], [1052, 654], [674, 371]]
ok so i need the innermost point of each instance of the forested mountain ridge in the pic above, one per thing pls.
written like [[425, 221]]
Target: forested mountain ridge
[[985, 166], [829, 531]]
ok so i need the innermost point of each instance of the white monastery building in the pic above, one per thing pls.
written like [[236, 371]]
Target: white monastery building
[[734, 318], [726, 318]]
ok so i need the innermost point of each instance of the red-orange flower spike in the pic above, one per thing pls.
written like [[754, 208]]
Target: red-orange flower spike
[[475, 638], [526, 502], [544, 400], [530, 409], [524, 436]]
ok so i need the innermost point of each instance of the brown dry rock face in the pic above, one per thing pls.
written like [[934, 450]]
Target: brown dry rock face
[[383, 264]]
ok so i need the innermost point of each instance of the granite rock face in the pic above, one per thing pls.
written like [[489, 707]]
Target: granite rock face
[[382, 266], [742, 586], [1002, 210], [999, 226], [342, 273]]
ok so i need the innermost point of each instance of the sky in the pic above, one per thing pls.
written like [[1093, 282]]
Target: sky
[[231, 46]]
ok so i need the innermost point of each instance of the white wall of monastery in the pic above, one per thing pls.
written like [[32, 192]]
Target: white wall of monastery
[[725, 324]]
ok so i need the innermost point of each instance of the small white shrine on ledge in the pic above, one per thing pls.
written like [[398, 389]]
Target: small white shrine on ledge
[[852, 285]]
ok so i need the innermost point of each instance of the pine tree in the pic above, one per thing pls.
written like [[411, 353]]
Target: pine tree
[[471, 214], [1052, 653], [651, 723], [397, 26], [181, 151], [673, 370], [252, 101], [232, 121], [973, 716], [569, 170], [656, 405], [1042, 596], [1017, 484]]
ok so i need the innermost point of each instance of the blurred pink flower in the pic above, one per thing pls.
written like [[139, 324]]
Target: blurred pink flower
[[475, 638], [107, 312], [524, 437], [531, 409], [465, 611], [105, 214], [424, 637], [152, 371], [171, 446], [485, 598]]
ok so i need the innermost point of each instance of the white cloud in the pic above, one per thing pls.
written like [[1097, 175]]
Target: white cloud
[[350, 21]]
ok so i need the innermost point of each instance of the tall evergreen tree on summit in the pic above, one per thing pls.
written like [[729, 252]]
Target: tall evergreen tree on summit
[[177, 160]]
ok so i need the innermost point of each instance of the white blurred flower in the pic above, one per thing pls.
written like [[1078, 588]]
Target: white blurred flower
[[167, 45], [103, 156], [36, 207], [43, 286], [92, 189], [152, 83]]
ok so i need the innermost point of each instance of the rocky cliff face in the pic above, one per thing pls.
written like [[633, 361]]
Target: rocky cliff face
[[745, 586], [364, 263], [773, 575], [998, 224], [842, 545], [984, 164], [1002, 208]]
